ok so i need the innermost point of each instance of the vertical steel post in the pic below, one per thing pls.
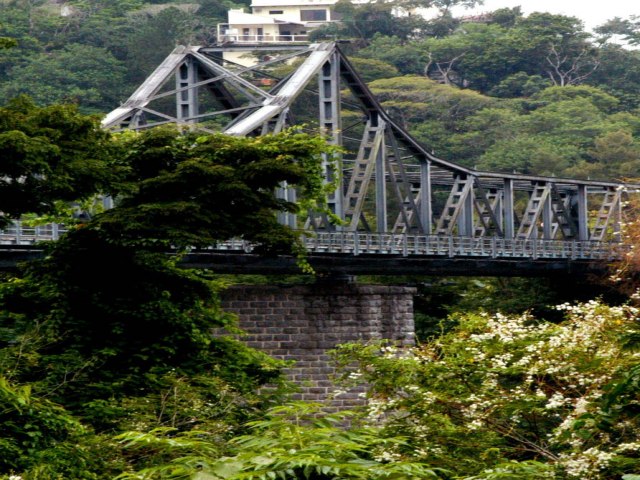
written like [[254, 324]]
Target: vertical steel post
[[499, 210], [381, 190], [329, 88], [617, 226], [509, 225], [292, 219], [289, 194], [465, 219], [137, 120], [547, 219], [583, 219], [426, 212], [187, 95]]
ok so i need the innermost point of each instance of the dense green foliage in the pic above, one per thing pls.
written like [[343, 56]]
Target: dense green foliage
[[94, 52], [95, 82], [121, 338], [190, 190], [48, 154], [489, 397], [534, 94], [292, 442], [107, 333], [511, 393], [85, 358], [7, 43]]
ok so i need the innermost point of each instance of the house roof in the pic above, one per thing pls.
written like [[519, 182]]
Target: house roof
[[292, 3]]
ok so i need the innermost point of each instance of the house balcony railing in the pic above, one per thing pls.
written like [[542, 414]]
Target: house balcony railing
[[252, 39]]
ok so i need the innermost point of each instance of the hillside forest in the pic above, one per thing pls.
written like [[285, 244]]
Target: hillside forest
[[511, 379]]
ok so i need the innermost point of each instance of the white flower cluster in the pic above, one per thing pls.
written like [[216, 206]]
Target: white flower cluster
[[376, 408], [387, 456], [585, 465], [628, 447], [508, 328], [557, 400]]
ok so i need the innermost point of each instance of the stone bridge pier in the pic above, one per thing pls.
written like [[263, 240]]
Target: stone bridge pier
[[302, 322]]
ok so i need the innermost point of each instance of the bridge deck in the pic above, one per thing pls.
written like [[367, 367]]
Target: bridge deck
[[355, 253]]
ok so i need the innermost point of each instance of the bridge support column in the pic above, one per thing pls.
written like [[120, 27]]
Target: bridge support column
[[187, 97], [426, 213], [289, 194], [508, 209], [302, 323], [547, 219], [381, 188], [330, 122], [465, 218], [583, 214]]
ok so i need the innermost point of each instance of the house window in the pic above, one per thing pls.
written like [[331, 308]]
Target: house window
[[276, 12], [313, 15]]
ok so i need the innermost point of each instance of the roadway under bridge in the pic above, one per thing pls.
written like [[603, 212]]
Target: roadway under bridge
[[403, 209]]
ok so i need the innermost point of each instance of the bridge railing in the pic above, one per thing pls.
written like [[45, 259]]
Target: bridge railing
[[20, 233], [356, 243], [360, 243]]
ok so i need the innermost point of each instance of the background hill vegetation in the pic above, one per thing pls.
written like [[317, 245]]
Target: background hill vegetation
[[502, 91]]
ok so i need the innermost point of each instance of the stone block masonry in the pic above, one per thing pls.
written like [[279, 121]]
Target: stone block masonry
[[302, 322]]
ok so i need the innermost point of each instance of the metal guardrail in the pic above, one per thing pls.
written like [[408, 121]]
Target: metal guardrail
[[356, 243], [20, 234], [359, 243]]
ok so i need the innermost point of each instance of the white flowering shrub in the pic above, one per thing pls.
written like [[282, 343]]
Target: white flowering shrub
[[510, 396]]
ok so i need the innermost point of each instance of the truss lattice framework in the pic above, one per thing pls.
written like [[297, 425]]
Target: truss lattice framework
[[389, 181]]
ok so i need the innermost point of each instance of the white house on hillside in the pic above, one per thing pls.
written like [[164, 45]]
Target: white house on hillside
[[276, 21]]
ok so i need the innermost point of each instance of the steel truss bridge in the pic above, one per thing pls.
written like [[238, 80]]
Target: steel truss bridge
[[400, 204]]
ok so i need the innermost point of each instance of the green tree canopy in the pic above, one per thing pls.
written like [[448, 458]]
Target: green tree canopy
[[110, 328], [180, 190], [104, 36], [558, 134], [363, 21], [49, 153], [6, 42], [185, 189], [481, 56], [88, 76], [627, 28], [432, 112]]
